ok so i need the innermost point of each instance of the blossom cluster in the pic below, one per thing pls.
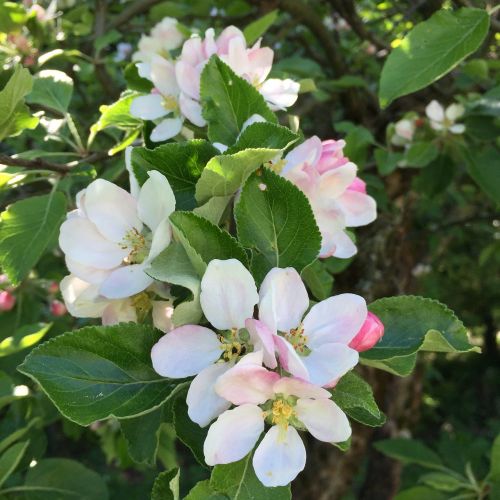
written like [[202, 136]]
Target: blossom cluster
[[175, 96]]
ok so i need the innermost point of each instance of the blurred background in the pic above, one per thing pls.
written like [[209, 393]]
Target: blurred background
[[437, 234]]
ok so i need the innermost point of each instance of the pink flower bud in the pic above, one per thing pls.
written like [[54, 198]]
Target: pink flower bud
[[7, 301], [371, 332], [57, 308], [53, 287]]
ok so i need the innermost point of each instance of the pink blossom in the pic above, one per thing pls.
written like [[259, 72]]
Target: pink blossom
[[7, 301], [57, 308], [338, 198], [369, 334]]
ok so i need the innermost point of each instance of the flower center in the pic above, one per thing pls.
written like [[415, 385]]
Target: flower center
[[142, 304], [298, 340], [281, 413], [170, 103], [233, 344], [138, 244]]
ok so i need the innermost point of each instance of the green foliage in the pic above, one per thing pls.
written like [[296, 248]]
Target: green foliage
[[484, 168], [26, 229], [52, 89], [10, 459], [109, 367], [432, 49], [409, 451], [275, 220], [413, 324], [420, 154], [318, 279], [258, 27], [203, 491], [26, 336], [228, 101], [355, 398], [166, 486]]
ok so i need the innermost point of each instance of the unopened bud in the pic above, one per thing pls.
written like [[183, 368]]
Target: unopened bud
[[57, 308], [371, 332], [7, 301]]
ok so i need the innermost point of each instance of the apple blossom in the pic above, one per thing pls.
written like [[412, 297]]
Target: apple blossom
[[112, 236], [444, 119], [369, 334], [7, 301], [57, 308], [338, 198], [287, 404], [404, 130]]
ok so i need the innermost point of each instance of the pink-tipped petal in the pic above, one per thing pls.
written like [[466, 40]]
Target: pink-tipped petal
[[289, 359], [359, 209], [261, 338], [291, 386], [369, 334]]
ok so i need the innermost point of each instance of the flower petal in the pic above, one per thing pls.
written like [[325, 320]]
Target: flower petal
[[111, 209], [454, 112], [156, 200], [185, 351], [163, 76], [280, 94], [134, 183], [262, 339], [191, 110], [148, 107], [324, 420], [233, 435], [289, 359], [189, 79], [162, 315], [283, 299], [161, 239], [334, 182], [435, 111], [87, 273], [119, 311], [336, 319], [81, 298], [228, 294], [166, 129], [359, 209], [204, 404], [309, 152], [280, 457], [246, 383], [458, 128], [329, 362], [291, 386], [125, 281]]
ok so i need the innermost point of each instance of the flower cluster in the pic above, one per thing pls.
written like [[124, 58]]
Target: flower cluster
[[175, 96], [273, 368]]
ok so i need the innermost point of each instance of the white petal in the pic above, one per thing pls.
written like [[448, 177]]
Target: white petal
[[291, 386], [280, 457], [233, 435], [162, 315], [280, 94], [336, 319], [156, 200], [191, 109], [125, 281], [334, 182], [337, 244], [458, 128], [324, 420], [228, 294], [189, 79], [435, 111], [307, 153], [111, 209], [359, 209], [148, 107], [329, 362], [289, 359], [119, 311], [80, 240], [261, 338], [204, 404], [134, 184], [163, 76], [82, 299], [166, 129], [185, 351], [87, 273], [144, 70], [454, 111], [283, 299], [161, 239]]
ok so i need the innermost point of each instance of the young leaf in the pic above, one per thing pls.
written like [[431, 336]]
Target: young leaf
[[409, 451], [181, 163], [10, 459], [225, 174], [174, 266], [257, 28], [441, 481], [420, 492], [166, 486], [484, 168], [432, 49], [318, 280], [275, 220], [53, 478], [412, 324], [26, 228], [228, 101], [239, 482], [100, 371], [420, 154], [203, 491], [213, 209], [24, 337], [52, 89], [355, 398], [204, 241]]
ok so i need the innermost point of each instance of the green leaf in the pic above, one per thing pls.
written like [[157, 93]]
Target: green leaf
[[420, 154], [213, 209], [52, 89], [10, 459], [387, 161], [228, 101], [412, 324], [430, 50], [24, 337], [355, 398], [318, 280], [117, 115], [258, 27], [203, 491], [26, 228], [484, 168], [12, 98], [441, 481], [190, 433], [174, 266], [275, 220], [204, 241], [225, 174], [239, 482], [494, 473], [100, 371], [181, 163], [18, 433], [420, 492], [409, 451], [21, 121], [142, 435], [166, 486], [135, 81], [63, 479]]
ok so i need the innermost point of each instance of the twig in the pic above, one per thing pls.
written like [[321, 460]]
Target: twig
[[133, 10]]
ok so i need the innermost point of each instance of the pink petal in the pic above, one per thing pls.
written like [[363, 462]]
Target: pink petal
[[308, 152], [262, 339], [189, 79], [369, 334], [163, 76], [359, 209], [290, 386], [289, 359]]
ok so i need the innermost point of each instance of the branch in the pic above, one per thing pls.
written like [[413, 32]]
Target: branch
[[138, 7]]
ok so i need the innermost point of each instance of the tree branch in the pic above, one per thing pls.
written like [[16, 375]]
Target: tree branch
[[133, 10]]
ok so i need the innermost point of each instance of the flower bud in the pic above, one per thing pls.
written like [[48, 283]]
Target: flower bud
[[371, 332], [57, 308], [53, 288], [7, 301]]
